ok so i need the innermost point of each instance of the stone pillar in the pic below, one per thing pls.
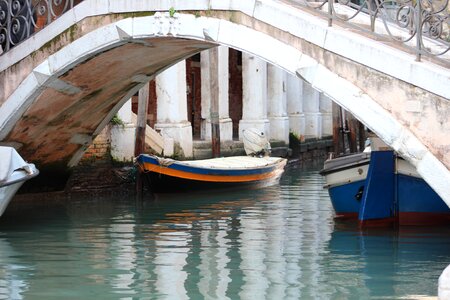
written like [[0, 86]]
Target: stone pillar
[[325, 107], [277, 104], [172, 118], [254, 95], [313, 117], [295, 105], [226, 124], [123, 135]]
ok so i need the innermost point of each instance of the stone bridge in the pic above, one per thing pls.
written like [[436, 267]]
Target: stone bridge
[[60, 87]]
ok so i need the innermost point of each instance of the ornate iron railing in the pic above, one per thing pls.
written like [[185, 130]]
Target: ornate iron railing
[[19, 19], [421, 25]]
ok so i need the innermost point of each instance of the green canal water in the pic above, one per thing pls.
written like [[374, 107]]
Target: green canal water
[[280, 242]]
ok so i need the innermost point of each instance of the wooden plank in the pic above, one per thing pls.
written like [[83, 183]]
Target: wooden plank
[[337, 128], [214, 94], [141, 123], [352, 134]]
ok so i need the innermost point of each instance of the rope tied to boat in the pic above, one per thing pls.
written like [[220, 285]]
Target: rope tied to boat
[[165, 162]]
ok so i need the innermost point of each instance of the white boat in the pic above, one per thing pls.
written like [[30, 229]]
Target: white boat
[[14, 171]]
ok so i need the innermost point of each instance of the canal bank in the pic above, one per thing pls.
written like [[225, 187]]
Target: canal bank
[[98, 170], [99, 174]]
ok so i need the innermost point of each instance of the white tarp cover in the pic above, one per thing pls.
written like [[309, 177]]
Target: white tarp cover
[[255, 142], [10, 161], [233, 162]]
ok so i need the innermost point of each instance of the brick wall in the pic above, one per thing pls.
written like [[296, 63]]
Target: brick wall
[[235, 89], [99, 149], [194, 94]]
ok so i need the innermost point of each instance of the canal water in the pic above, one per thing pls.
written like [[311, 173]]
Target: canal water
[[280, 242]]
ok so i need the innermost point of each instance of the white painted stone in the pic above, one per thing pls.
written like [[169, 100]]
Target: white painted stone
[[444, 284], [12, 109], [172, 107], [313, 117], [414, 106], [226, 129], [181, 133], [325, 107], [273, 51], [123, 136], [91, 8], [295, 105], [277, 104], [125, 113], [122, 142], [169, 147], [225, 123], [299, 23], [254, 95], [102, 38], [156, 5], [247, 6]]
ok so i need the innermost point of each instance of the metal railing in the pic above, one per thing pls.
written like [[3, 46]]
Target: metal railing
[[19, 19], [421, 25]]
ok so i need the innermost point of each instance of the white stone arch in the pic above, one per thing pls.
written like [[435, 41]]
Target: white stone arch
[[249, 40]]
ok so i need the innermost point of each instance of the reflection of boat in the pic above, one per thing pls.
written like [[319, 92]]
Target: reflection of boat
[[14, 171], [386, 263], [168, 175], [379, 185]]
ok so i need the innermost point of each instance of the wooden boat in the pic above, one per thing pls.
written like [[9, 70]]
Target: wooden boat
[[381, 186], [14, 171], [171, 176]]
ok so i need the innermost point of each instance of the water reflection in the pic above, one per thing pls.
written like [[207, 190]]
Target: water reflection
[[275, 243]]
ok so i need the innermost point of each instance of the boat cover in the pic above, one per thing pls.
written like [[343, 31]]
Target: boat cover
[[11, 161], [255, 142], [232, 162]]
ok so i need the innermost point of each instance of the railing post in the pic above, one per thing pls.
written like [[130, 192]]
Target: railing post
[[371, 14], [8, 26], [330, 13], [418, 12]]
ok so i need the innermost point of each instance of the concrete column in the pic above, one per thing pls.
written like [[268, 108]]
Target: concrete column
[[254, 95], [313, 117], [172, 119], [325, 107], [295, 105], [226, 124], [123, 135], [277, 104]]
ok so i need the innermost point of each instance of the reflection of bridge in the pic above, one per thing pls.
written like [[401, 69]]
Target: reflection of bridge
[[61, 86]]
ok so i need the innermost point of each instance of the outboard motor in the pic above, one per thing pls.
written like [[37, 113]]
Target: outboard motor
[[256, 143]]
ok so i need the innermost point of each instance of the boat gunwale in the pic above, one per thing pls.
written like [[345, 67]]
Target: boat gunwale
[[179, 166], [24, 178], [347, 166]]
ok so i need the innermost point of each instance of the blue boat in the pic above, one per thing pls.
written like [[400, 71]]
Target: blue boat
[[171, 176], [381, 187]]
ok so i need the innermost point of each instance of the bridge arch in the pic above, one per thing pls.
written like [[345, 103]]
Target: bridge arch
[[187, 33]]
